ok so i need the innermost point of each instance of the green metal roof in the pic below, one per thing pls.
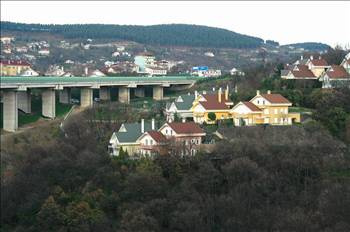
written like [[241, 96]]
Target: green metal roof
[[133, 132], [187, 102]]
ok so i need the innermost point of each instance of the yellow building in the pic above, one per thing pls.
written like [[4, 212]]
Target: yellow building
[[217, 103], [264, 109], [13, 67]]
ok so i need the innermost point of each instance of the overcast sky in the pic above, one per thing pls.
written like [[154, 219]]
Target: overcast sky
[[285, 22]]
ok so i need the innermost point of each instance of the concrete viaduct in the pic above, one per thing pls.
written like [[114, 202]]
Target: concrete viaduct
[[16, 92]]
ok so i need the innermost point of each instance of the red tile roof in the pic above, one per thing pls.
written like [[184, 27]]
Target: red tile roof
[[275, 98], [251, 106], [212, 102], [186, 128], [337, 71], [145, 54], [302, 72], [157, 136], [319, 62], [14, 62]]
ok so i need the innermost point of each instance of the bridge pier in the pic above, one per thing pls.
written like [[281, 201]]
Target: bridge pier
[[24, 99], [10, 111], [158, 93], [86, 95], [49, 103], [140, 92], [65, 96], [124, 95], [105, 93]]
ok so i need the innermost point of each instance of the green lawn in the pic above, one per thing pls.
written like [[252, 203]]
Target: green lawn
[[299, 109]]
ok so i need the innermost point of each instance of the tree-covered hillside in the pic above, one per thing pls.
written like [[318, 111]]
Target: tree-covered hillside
[[311, 46], [170, 34]]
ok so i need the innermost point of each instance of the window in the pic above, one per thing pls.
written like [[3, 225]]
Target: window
[[192, 141], [197, 142], [171, 132], [146, 140], [266, 111], [276, 111], [151, 142], [276, 120], [166, 131], [286, 110], [258, 102], [263, 102]]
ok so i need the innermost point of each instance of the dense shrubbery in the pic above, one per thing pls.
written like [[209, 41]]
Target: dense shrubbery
[[261, 179], [172, 34]]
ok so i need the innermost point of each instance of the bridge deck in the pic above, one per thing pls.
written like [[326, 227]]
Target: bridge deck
[[8, 82]]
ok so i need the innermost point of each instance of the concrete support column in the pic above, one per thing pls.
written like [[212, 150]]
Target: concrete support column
[[105, 94], [157, 92], [49, 103], [124, 95], [140, 92], [86, 97], [10, 111], [65, 96], [24, 99]]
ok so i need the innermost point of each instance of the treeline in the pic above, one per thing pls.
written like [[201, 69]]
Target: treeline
[[263, 179], [170, 34]]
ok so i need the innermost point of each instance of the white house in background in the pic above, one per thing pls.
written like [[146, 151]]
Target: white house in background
[[209, 54], [29, 73], [155, 71], [55, 70], [7, 39], [120, 48], [115, 54], [143, 60], [213, 73], [67, 74], [93, 73], [44, 52], [236, 72], [69, 62], [23, 49]]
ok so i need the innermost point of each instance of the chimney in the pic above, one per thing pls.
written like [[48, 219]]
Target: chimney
[[301, 57], [257, 92], [142, 126], [153, 124], [188, 93], [204, 92], [195, 94], [311, 57], [183, 120], [213, 89], [86, 70], [236, 89], [319, 57], [219, 95], [226, 93], [268, 91]]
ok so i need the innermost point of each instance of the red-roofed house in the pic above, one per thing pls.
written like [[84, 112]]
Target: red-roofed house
[[336, 76], [264, 109], [317, 66], [152, 142], [301, 72], [185, 136], [217, 103], [13, 67]]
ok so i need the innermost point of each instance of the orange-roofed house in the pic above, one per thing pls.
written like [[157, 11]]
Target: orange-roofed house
[[264, 109], [218, 103]]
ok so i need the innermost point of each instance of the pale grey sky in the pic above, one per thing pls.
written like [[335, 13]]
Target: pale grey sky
[[285, 22]]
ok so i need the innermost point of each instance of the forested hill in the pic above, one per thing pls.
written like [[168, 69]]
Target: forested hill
[[310, 46], [169, 34]]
